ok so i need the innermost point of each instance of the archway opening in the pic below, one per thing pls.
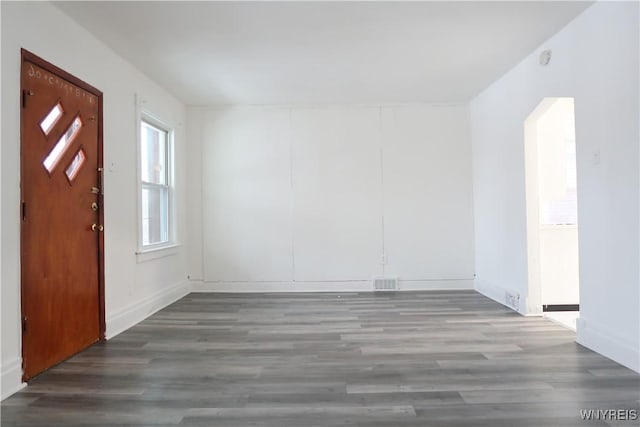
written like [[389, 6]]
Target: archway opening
[[552, 212]]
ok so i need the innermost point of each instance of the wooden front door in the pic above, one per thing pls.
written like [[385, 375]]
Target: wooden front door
[[61, 224]]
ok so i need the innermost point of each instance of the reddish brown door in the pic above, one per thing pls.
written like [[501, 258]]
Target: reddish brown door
[[62, 238]]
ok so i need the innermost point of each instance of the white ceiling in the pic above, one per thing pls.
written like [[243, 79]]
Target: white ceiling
[[323, 52]]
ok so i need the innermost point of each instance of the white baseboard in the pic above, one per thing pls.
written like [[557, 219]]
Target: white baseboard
[[497, 293], [337, 286], [436, 285], [11, 378], [608, 343], [125, 318]]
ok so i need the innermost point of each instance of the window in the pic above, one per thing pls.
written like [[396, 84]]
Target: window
[[156, 171], [560, 206]]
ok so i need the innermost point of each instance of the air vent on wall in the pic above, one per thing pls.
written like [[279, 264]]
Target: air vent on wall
[[385, 284]]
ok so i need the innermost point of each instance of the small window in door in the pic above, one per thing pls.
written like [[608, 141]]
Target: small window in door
[[76, 164], [62, 145], [51, 118]]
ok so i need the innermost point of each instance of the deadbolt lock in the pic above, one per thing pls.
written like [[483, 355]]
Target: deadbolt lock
[[96, 227], [94, 206]]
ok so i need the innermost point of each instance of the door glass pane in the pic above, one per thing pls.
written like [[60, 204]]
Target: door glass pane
[[153, 154], [76, 164], [52, 118], [155, 215], [63, 143]]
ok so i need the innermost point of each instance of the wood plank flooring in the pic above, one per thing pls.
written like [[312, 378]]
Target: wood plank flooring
[[439, 359]]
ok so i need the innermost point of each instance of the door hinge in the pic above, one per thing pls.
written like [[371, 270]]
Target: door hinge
[[24, 324], [24, 211]]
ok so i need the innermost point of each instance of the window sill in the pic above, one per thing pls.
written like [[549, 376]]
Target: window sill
[[144, 255]]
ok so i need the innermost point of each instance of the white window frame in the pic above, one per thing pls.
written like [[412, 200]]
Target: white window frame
[[157, 250]]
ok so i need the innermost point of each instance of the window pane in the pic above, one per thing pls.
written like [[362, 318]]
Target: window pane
[[153, 154], [155, 215], [563, 208]]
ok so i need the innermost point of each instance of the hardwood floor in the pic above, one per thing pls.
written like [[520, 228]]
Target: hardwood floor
[[438, 359]]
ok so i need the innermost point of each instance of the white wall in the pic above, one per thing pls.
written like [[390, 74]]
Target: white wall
[[336, 193], [247, 190], [133, 289], [427, 197], [595, 60], [325, 198], [2, 365]]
